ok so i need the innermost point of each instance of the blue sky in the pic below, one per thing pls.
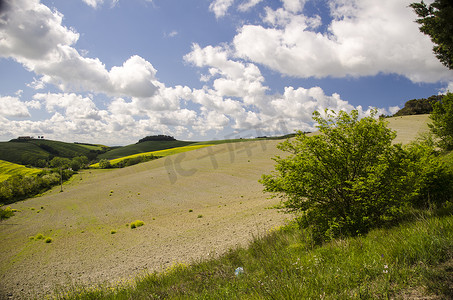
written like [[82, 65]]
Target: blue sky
[[114, 71]]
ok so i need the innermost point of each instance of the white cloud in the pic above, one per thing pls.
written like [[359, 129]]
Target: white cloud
[[365, 38], [247, 5], [13, 107], [34, 36], [220, 7], [93, 3]]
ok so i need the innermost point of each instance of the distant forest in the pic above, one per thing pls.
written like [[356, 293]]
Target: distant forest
[[154, 138], [418, 106]]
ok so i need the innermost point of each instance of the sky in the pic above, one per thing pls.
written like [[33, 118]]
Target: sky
[[114, 71]]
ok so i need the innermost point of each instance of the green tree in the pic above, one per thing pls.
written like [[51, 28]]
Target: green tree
[[60, 162], [104, 164], [345, 180], [436, 21], [442, 122]]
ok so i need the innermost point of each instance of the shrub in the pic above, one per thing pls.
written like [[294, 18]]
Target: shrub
[[6, 213], [442, 122], [48, 240], [137, 223], [346, 180], [104, 164]]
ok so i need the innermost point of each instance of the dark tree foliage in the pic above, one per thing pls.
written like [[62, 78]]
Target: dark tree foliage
[[159, 137], [436, 21], [418, 106], [442, 122]]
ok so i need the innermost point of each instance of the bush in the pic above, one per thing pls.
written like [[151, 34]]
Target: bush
[[137, 223], [442, 122], [346, 180], [6, 213], [104, 164]]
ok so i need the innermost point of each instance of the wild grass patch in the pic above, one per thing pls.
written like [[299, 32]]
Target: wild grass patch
[[136, 224], [285, 264]]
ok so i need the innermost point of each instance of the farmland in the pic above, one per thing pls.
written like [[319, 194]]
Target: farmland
[[193, 205]]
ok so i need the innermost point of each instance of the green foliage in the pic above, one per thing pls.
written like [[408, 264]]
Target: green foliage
[[19, 187], [345, 181], [434, 176], [436, 21], [60, 162], [136, 224], [418, 106], [442, 122], [6, 213], [105, 164], [8, 169], [48, 240]]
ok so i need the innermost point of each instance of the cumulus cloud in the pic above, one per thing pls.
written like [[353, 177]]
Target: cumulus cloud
[[247, 5], [220, 7], [13, 107], [34, 35], [364, 38]]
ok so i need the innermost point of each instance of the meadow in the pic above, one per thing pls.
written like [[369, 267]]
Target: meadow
[[8, 169], [204, 215]]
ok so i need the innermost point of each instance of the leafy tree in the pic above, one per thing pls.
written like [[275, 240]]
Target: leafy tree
[[345, 180], [104, 164], [60, 162], [436, 21], [418, 106], [442, 122]]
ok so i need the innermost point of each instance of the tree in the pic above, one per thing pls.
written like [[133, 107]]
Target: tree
[[442, 122], [436, 21], [345, 180], [60, 162], [104, 164]]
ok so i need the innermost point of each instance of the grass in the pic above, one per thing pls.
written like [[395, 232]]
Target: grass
[[8, 169], [410, 260], [28, 152], [160, 153]]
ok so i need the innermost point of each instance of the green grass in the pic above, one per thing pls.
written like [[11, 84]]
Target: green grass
[[413, 259], [29, 152], [21, 153], [8, 169], [160, 153], [142, 148]]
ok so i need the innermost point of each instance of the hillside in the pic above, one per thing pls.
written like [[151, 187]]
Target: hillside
[[143, 147], [30, 151], [8, 169], [195, 205]]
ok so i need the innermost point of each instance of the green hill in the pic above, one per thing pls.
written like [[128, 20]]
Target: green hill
[[143, 147], [29, 152], [8, 169]]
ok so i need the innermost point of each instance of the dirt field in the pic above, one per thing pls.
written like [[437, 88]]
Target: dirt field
[[219, 184]]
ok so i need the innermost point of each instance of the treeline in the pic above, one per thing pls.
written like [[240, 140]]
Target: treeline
[[20, 187], [155, 138], [419, 106]]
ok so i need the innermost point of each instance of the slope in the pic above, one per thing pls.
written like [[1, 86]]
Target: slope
[[194, 205]]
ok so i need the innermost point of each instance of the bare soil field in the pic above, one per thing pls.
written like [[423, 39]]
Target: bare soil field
[[195, 205]]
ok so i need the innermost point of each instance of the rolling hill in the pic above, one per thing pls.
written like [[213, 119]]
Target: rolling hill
[[143, 147], [8, 169], [194, 205]]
